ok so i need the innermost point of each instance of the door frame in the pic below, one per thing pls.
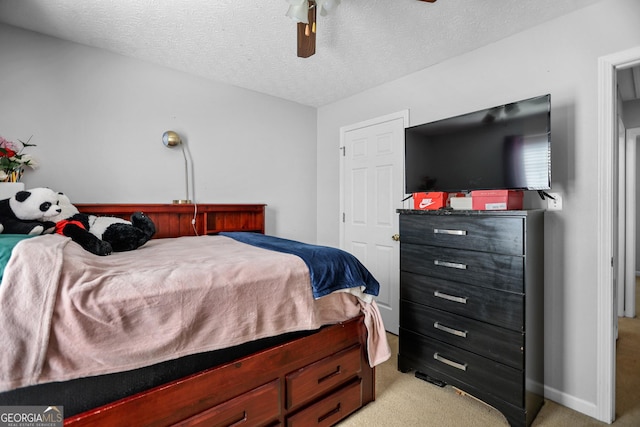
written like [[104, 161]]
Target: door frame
[[606, 304], [403, 114]]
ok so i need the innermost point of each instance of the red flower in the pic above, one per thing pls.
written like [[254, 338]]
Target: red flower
[[12, 160], [7, 152], [7, 148]]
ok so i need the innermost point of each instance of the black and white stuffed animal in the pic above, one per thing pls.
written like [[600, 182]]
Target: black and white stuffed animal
[[102, 235], [29, 212]]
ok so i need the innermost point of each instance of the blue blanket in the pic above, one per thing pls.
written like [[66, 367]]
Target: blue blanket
[[330, 269]]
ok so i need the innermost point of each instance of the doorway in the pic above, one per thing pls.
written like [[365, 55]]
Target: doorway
[[607, 232], [628, 233]]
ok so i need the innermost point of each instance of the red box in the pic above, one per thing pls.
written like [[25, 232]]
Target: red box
[[496, 200], [432, 200]]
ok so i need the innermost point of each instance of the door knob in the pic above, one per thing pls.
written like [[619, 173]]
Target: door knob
[[396, 237]]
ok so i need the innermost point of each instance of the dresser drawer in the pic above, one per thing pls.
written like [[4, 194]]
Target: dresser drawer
[[505, 272], [497, 235], [499, 344], [504, 309], [258, 407], [461, 367], [331, 409], [320, 377]]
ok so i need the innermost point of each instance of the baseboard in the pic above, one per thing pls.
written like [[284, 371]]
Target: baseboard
[[588, 408]]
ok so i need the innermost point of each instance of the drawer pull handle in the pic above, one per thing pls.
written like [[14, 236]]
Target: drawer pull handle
[[461, 300], [450, 264], [450, 232], [461, 366], [332, 374], [242, 420], [330, 413], [449, 330]]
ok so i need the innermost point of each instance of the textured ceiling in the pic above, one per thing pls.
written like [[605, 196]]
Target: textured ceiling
[[252, 44]]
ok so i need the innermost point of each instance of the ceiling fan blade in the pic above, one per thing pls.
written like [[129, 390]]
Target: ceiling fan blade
[[307, 34], [429, 1]]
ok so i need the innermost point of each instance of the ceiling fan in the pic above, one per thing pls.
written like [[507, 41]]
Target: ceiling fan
[[304, 13]]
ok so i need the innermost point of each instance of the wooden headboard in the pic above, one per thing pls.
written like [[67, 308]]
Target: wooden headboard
[[174, 220]]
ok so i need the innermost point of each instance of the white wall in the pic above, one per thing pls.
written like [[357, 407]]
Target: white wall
[[560, 58], [98, 120]]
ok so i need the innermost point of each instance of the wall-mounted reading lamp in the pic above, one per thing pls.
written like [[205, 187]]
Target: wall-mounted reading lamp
[[172, 139]]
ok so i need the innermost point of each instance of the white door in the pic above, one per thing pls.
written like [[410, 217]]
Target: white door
[[372, 186]]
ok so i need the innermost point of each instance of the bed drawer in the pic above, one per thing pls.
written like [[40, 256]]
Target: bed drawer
[[496, 235], [500, 344], [504, 272], [461, 367], [504, 309], [331, 409], [319, 377], [258, 407]]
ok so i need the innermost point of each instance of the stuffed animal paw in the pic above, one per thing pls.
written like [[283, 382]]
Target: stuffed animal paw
[[124, 235]]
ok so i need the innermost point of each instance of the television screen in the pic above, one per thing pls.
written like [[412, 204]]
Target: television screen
[[505, 147]]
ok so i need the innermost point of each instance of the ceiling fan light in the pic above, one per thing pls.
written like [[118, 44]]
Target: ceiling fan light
[[299, 10], [326, 6]]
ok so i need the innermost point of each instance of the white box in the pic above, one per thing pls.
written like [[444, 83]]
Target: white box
[[461, 203]]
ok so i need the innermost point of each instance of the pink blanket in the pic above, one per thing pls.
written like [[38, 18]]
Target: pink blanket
[[65, 313]]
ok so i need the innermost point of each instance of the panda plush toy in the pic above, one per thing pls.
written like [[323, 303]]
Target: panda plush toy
[[29, 212], [102, 235]]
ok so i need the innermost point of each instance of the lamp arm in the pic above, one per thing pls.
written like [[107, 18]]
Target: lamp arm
[[186, 171]]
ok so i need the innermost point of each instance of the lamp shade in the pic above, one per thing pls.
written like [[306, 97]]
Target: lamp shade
[[171, 139], [299, 10]]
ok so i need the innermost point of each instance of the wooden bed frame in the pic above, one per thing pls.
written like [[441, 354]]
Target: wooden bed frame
[[318, 379]]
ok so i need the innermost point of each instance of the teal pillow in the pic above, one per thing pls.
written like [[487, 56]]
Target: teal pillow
[[7, 242]]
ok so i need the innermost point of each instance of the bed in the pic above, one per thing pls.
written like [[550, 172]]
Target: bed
[[285, 357]]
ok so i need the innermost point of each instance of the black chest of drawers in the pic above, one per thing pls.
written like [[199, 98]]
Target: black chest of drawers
[[471, 304]]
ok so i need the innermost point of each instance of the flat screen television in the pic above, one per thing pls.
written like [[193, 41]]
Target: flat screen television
[[507, 147]]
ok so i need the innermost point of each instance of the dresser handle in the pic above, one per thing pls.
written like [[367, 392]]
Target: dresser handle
[[451, 232], [337, 371], [330, 413], [450, 264], [461, 300], [240, 421], [449, 330], [461, 366]]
